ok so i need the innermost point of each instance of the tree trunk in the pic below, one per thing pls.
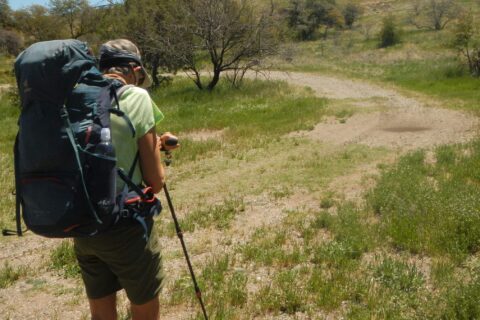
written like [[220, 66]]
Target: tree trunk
[[155, 65], [214, 81]]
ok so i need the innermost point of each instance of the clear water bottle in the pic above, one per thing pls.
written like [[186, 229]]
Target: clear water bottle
[[102, 175]]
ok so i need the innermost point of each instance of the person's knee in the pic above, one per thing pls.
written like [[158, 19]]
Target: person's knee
[[147, 311], [104, 308]]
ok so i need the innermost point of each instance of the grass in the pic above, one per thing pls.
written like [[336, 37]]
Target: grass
[[259, 110], [218, 216], [63, 260], [6, 70], [364, 261], [432, 208], [424, 62], [10, 274], [8, 121], [411, 252]]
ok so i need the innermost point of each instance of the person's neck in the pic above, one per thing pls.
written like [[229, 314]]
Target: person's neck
[[116, 76]]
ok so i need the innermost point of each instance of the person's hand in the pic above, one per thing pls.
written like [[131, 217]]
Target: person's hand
[[162, 141]]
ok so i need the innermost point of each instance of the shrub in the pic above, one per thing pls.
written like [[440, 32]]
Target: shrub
[[350, 14], [10, 42], [389, 34]]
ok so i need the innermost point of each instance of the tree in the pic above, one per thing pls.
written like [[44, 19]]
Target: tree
[[78, 15], [467, 42], [433, 14], [36, 23], [305, 17], [10, 42], [5, 14], [350, 14], [224, 35]]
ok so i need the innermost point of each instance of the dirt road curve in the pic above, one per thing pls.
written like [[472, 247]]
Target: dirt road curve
[[400, 122]]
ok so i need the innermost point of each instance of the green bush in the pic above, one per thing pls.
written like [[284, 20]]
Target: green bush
[[389, 34]]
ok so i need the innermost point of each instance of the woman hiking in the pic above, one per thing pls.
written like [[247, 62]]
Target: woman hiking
[[121, 258]]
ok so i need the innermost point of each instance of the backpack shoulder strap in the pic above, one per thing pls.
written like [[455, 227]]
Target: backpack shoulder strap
[[115, 100]]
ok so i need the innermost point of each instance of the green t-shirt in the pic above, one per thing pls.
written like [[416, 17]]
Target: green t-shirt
[[144, 115]]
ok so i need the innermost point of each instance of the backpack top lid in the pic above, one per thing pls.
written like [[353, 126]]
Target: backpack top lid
[[47, 71]]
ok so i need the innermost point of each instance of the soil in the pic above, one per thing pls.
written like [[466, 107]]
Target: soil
[[405, 123], [396, 121]]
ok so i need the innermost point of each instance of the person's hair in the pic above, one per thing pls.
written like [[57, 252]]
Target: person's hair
[[120, 70]]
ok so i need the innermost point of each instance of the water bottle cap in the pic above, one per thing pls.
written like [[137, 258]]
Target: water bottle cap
[[105, 134]]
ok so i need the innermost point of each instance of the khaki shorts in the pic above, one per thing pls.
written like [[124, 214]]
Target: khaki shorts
[[121, 258]]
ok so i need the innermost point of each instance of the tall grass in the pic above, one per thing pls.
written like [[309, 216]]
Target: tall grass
[[8, 122], [432, 207], [251, 115]]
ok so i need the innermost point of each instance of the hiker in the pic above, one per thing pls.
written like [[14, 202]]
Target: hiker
[[121, 258]]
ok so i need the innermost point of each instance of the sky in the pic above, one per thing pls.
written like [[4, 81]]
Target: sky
[[19, 4]]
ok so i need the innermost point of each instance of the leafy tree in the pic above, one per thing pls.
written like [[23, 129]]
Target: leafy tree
[[467, 42], [389, 34], [36, 23], [305, 17], [434, 14], [5, 14], [350, 14], [78, 15]]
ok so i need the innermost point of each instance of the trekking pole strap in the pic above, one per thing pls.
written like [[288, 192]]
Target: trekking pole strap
[[198, 293]]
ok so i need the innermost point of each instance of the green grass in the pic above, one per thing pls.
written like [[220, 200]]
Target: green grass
[[218, 216], [6, 70], [366, 261], [223, 289], [251, 115], [432, 208], [8, 122], [425, 61], [10, 274], [63, 260]]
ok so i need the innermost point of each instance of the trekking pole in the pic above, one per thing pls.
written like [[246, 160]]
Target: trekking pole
[[173, 142]]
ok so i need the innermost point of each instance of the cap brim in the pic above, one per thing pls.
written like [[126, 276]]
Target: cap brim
[[147, 81]]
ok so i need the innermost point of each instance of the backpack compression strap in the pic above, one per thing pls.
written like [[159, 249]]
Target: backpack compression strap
[[18, 208], [71, 137]]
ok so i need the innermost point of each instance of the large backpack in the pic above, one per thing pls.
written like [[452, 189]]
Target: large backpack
[[65, 103]]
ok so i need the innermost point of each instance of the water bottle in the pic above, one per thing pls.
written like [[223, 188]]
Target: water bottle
[[102, 175]]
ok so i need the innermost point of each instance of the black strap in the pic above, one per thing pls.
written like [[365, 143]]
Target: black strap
[[117, 93], [132, 185], [122, 114], [134, 165], [18, 207]]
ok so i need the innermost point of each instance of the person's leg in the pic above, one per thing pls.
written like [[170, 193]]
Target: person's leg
[[147, 311], [104, 308]]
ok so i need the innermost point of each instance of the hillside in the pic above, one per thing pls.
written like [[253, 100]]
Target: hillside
[[341, 184]]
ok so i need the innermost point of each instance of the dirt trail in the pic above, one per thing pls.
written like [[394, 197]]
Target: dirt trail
[[404, 123], [393, 120]]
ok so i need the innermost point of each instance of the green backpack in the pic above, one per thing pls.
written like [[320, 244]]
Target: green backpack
[[65, 187]]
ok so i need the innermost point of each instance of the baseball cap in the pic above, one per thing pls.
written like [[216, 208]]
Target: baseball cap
[[115, 52]]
